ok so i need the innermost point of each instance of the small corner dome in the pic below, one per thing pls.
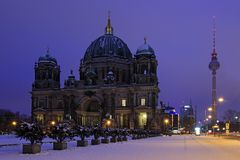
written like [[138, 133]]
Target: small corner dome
[[47, 59], [145, 49]]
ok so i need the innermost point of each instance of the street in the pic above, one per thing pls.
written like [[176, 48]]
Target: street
[[182, 147]]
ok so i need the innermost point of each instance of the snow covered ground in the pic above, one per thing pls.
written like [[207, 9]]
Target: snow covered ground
[[184, 147]]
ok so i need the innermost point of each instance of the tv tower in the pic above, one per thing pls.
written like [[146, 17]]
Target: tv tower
[[214, 65]]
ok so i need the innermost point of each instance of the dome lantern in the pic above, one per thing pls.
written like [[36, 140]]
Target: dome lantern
[[109, 28]]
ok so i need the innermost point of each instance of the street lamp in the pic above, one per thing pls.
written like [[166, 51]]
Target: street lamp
[[108, 123], [14, 123], [210, 113], [53, 123], [220, 99], [166, 121], [210, 109]]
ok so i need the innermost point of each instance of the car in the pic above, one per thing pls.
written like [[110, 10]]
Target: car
[[176, 132]]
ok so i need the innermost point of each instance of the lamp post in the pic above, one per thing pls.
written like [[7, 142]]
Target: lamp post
[[108, 123], [53, 123], [220, 99], [209, 113], [166, 121], [237, 123], [14, 123]]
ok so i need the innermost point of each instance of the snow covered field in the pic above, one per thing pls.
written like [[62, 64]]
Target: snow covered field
[[159, 148]]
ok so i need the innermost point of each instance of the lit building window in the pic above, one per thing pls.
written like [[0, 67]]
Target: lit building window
[[143, 101], [142, 119], [59, 118], [124, 102], [40, 118]]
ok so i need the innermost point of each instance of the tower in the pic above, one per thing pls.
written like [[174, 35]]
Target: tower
[[214, 65], [146, 65], [47, 73]]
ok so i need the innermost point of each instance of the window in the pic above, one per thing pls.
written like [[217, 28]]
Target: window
[[124, 102], [142, 119], [145, 72], [143, 101], [40, 118], [117, 75], [96, 71], [59, 118], [123, 76], [103, 73], [41, 103]]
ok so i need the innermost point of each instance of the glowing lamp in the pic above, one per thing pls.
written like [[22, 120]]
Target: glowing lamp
[[53, 123], [221, 99], [210, 109], [14, 123], [108, 122], [166, 121]]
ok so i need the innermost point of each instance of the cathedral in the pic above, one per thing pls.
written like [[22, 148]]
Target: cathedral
[[113, 84]]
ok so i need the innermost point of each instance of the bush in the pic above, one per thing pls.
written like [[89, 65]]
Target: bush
[[113, 133], [30, 131], [96, 132], [61, 132], [124, 132], [105, 133], [82, 132]]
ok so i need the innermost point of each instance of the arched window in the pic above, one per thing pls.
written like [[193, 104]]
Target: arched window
[[144, 69], [123, 102], [143, 101], [145, 72], [123, 76]]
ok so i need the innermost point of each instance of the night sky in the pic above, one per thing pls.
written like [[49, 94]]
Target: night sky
[[180, 32]]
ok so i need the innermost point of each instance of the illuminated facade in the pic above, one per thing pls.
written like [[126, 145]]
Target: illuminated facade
[[169, 118], [113, 84]]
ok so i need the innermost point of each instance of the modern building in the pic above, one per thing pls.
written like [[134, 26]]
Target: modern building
[[113, 83], [169, 117], [187, 118]]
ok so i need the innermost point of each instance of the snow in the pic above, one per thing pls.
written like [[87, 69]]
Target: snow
[[10, 139], [183, 147]]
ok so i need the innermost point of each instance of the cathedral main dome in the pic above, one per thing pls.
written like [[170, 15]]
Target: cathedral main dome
[[108, 45]]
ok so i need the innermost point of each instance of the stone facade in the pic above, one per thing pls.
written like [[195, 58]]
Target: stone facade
[[113, 84]]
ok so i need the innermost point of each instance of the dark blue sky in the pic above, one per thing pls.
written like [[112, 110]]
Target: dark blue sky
[[178, 31]]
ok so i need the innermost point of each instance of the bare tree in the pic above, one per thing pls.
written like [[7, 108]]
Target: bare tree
[[230, 114]]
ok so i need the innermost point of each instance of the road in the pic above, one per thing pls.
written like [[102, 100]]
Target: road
[[189, 147], [184, 147]]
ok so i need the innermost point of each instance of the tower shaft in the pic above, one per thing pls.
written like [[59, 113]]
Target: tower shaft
[[214, 98]]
